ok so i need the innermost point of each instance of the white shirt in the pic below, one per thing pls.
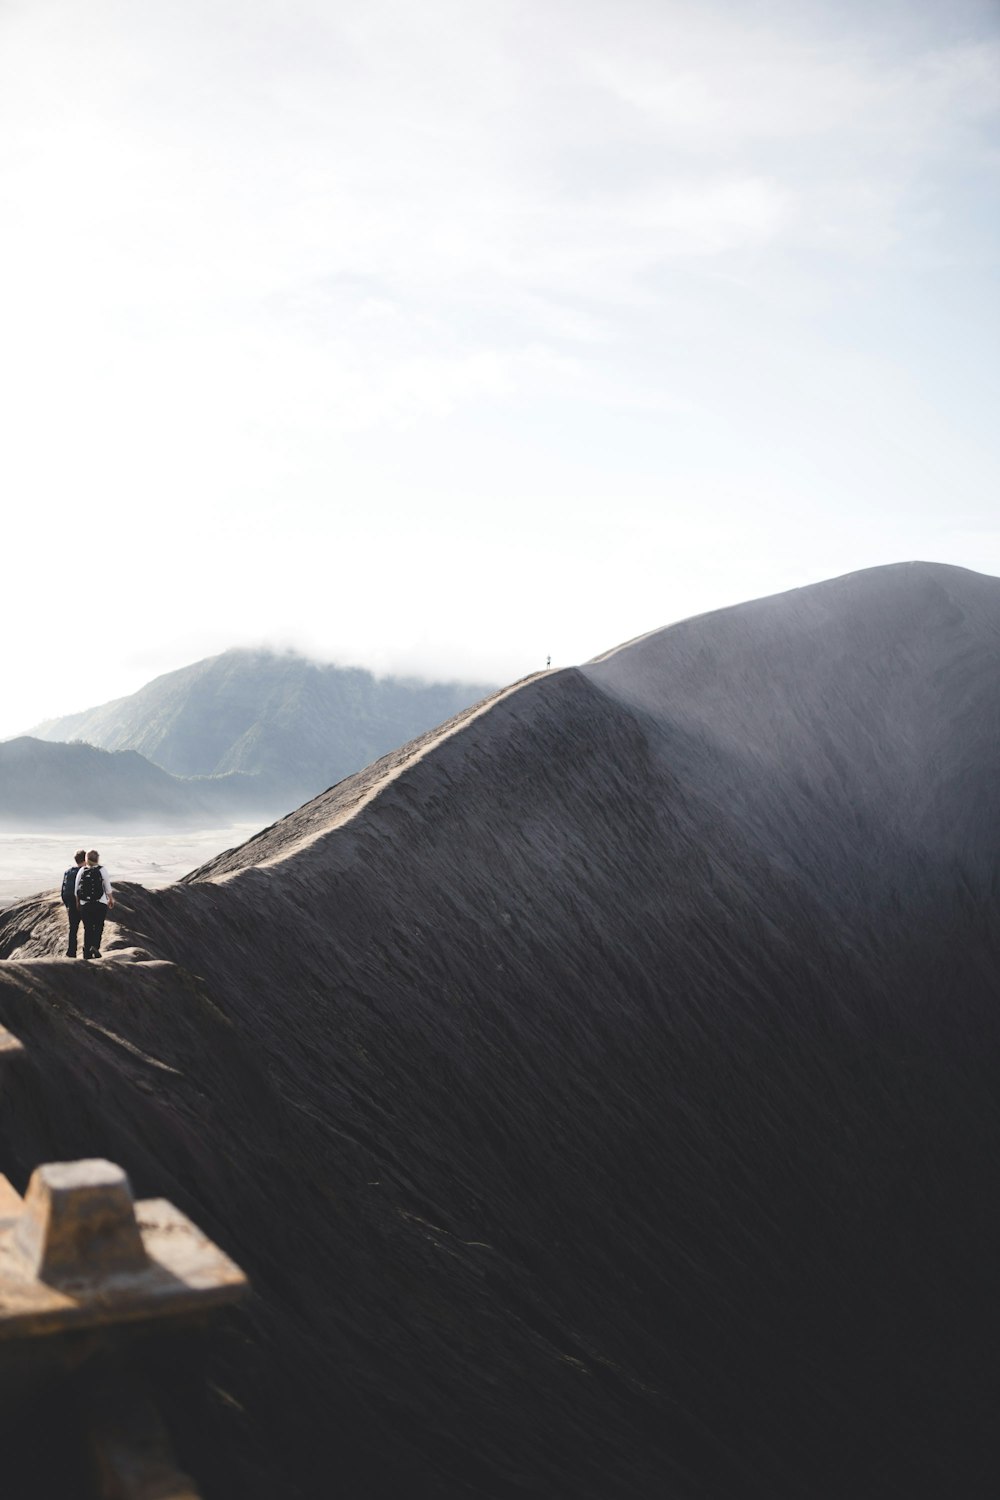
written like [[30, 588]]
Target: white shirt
[[104, 876]]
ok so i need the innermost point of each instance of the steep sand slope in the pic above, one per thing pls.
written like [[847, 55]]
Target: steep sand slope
[[602, 1095]]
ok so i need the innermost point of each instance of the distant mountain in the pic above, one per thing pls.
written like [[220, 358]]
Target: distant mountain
[[52, 784], [296, 725]]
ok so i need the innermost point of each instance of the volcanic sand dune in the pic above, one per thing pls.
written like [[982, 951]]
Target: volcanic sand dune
[[603, 1094]]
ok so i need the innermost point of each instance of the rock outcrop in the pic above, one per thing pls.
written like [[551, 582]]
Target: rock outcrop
[[601, 1092]]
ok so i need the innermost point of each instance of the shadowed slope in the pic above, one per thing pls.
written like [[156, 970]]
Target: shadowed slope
[[602, 1096], [878, 692]]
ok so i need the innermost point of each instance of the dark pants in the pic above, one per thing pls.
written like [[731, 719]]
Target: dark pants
[[93, 913], [74, 928]]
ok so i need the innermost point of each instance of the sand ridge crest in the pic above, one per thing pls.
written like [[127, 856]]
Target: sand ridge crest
[[338, 806]]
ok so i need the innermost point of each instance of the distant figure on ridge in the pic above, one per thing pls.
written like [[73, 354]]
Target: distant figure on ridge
[[68, 895], [94, 899]]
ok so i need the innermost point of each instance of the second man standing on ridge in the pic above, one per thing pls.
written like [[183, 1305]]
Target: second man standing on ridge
[[94, 899]]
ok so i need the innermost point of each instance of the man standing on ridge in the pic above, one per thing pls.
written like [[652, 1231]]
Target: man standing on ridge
[[68, 896], [94, 899]]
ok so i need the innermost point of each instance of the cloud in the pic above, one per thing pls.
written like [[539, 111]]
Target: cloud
[[281, 271]]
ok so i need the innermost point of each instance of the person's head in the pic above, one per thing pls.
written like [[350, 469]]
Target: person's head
[[80, 856], [93, 858]]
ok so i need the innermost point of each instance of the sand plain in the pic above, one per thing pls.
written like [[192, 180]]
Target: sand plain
[[31, 863]]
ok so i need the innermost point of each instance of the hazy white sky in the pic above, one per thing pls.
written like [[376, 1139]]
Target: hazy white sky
[[443, 336]]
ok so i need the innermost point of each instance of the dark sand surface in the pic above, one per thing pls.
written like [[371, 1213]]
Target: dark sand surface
[[603, 1095]]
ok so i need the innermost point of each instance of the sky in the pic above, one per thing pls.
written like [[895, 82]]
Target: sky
[[445, 338]]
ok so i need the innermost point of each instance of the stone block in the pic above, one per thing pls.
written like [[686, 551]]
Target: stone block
[[78, 1223]]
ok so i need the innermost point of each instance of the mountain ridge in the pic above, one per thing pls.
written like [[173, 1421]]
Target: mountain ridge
[[298, 724], [56, 785], [931, 571], [248, 733]]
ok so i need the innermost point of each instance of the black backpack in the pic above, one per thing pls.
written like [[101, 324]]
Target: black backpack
[[91, 884], [67, 893]]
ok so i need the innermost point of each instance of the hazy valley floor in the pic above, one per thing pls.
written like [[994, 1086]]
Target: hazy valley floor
[[34, 862]]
